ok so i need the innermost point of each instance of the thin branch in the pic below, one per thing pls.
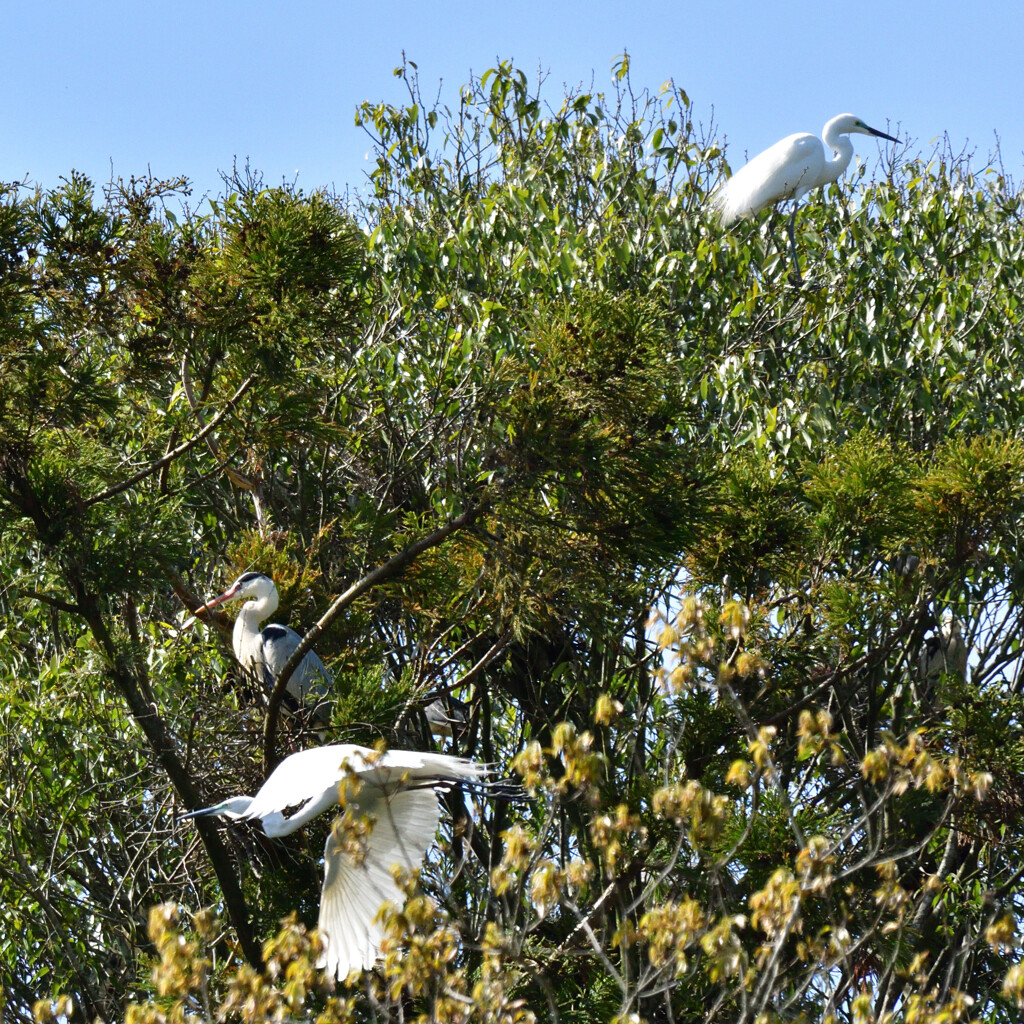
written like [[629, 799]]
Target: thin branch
[[149, 720], [239, 479], [111, 492], [422, 700], [53, 602], [392, 567]]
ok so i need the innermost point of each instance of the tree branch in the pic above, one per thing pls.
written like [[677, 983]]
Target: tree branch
[[152, 725], [392, 567], [239, 479], [53, 602], [110, 492]]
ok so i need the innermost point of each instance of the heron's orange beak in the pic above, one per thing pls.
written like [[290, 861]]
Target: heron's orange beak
[[214, 601]]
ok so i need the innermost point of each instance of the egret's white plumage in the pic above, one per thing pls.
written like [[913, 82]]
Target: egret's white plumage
[[265, 652], [789, 170], [395, 793]]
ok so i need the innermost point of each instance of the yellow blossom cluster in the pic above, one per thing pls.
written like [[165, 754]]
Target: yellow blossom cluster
[[704, 812], [913, 765]]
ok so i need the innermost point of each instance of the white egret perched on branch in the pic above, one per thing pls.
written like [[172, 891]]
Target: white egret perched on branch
[[264, 652], [393, 794], [789, 170]]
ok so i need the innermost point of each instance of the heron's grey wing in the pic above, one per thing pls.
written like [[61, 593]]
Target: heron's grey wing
[[316, 684], [446, 716], [929, 660], [404, 826], [310, 676]]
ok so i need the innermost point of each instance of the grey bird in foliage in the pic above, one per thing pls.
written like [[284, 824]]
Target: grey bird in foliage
[[264, 652], [394, 794], [944, 651], [447, 717]]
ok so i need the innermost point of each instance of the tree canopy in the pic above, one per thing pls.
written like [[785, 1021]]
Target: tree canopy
[[520, 423]]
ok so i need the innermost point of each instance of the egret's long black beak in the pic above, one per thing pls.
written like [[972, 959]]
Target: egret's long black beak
[[882, 135]]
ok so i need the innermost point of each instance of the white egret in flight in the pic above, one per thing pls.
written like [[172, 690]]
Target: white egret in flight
[[394, 793], [789, 170], [264, 652]]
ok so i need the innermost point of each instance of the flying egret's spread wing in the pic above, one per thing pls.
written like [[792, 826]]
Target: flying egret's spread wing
[[308, 782], [395, 799], [357, 873]]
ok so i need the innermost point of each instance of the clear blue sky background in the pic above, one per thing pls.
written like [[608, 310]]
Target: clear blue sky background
[[187, 87]]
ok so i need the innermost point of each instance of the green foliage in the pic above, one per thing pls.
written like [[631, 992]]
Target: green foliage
[[685, 540]]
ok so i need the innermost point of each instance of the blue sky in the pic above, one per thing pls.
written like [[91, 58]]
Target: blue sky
[[189, 87]]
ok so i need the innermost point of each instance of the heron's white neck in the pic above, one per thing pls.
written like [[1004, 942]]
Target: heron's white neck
[[256, 609], [842, 150], [247, 625]]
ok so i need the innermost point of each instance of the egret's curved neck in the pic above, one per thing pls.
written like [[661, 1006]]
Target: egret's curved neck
[[842, 152]]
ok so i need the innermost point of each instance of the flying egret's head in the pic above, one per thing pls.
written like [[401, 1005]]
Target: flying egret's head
[[851, 124]]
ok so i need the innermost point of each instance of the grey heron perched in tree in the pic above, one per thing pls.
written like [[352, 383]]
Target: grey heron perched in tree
[[944, 651], [394, 793], [264, 652], [789, 170], [447, 717]]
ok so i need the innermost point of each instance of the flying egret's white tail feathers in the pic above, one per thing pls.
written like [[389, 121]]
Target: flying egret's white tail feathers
[[440, 767], [234, 807], [403, 827]]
